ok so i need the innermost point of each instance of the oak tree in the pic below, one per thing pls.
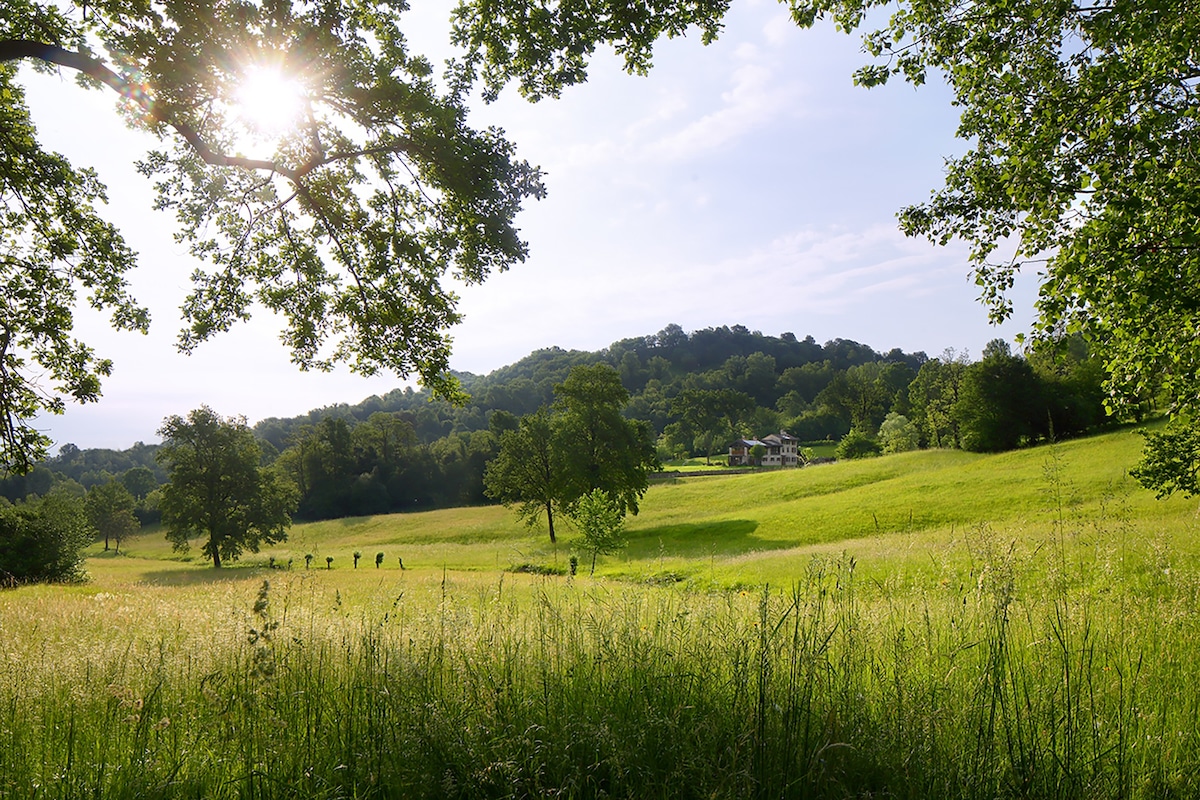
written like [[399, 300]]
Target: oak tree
[[528, 473], [602, 449], [557, 456], [217, 488], [344, 221], [1000, 404]]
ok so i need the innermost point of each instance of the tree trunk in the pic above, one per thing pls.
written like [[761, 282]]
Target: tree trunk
[[550, 521]]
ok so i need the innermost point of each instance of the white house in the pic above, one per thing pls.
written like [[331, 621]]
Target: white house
[[781, 450]]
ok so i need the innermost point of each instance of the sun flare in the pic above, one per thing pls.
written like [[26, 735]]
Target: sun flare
[[269, 100]]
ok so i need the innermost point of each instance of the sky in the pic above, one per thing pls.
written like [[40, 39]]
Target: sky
[[748, 182]]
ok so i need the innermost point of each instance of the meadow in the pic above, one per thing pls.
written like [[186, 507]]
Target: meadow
[[925, 625]]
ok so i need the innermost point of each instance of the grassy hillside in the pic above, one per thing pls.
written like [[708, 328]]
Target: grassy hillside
[[908, 513], [931, 625]]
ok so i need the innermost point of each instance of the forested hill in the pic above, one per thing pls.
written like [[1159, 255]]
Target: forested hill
[[695, 393], [653, 368]]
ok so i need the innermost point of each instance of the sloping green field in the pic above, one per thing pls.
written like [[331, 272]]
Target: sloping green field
[[931, 626], [895, 514]]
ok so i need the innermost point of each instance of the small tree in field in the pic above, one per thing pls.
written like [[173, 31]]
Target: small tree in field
[[602, 523], [110, 510], [378, 560], [1171, 461]]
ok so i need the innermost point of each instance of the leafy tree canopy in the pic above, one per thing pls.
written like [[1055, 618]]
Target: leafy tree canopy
[[529, 473], [1081, 124], [1171, 461], [344, 222], [218, 489], [857, 444], [110, 510], [602, 449], [582, 445], [897, 434], [999, 405]]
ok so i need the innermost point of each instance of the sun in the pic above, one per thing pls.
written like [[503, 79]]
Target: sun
[[269, 100]]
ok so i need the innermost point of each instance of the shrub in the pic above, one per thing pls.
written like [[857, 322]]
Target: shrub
[[857, 444], [43, 540], [897, 434]]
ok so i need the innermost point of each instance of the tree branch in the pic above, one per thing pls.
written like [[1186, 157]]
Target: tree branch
[[14, 49]]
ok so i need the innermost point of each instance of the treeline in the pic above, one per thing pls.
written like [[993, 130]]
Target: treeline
[[696, 392], [346, 467], [1004, 401], [81, 470], [652, 368]]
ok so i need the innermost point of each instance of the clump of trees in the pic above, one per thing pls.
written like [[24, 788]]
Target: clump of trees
[[347, 467], [555, 457], [110, 509], [1005, 400]]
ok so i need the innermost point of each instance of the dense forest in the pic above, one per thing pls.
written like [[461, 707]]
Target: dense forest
[[697, 391]]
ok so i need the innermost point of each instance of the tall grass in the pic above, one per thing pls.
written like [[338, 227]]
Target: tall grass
[[1050, 671], [906, 652]]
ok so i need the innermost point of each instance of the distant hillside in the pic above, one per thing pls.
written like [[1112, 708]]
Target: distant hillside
[[659, 364], [406, 451]]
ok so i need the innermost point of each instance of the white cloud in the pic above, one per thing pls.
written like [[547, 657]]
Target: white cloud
[[826, 270], [677, 118], [780, 30], [754, 99]]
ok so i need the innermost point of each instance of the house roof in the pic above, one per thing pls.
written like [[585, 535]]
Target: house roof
[[770, 440]]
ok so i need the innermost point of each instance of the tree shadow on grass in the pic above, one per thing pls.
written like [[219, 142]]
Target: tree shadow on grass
[[697, 539], [199, 576]]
